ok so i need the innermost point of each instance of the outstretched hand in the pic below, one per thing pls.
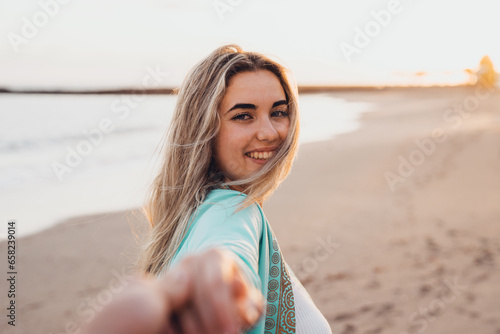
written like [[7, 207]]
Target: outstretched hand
[[203, 293]]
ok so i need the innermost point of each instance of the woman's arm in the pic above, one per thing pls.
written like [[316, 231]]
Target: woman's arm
[[238, 232]]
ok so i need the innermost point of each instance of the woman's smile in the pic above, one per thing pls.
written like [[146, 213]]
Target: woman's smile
[[260, 156]]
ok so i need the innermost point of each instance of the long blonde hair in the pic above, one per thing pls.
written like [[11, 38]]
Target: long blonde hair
[[188, 171]]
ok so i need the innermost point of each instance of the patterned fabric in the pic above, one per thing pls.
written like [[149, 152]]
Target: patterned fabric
[[280, 312]]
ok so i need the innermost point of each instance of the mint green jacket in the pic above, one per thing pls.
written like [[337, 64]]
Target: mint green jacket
[[248, 235]]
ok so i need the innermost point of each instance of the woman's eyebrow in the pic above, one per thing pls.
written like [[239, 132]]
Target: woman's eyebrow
[[279, 103], [243, 106], [253, 106]]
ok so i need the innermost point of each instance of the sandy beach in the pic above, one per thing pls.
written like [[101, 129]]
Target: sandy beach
[[406, 209]]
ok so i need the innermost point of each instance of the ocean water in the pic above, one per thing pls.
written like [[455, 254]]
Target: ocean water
[[68, 155]]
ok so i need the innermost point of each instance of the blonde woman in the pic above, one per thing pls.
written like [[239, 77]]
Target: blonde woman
[[231, 142]]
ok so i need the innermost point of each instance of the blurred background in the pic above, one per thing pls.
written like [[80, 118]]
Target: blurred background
[[399, 160]]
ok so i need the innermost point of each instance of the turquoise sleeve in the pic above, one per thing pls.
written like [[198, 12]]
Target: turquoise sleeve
[[240, 232]]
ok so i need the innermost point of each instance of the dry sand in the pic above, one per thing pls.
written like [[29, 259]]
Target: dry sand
[[423, 257]]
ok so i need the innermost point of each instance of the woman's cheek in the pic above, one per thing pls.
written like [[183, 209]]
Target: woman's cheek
[[241, 137], [283, 128]]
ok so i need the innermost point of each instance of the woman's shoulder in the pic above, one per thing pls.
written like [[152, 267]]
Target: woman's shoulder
[[219, 223], [224, 206], [218, 215]]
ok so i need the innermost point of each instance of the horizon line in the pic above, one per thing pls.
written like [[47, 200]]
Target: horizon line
[[173, 91]]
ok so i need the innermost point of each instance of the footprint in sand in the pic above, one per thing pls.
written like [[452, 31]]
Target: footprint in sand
[[424, 290], [337, 276], [349, 329], [485, 258], [471, 314], [365, 308], [344, 316], [374, 330], [384, 309], [432, 246], [470, 297], [481, 277], [373, 284]]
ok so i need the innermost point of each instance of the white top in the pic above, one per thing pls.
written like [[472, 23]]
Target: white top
[[309, 319]]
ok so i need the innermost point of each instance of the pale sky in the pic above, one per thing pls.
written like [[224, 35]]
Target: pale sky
[[109, 44]]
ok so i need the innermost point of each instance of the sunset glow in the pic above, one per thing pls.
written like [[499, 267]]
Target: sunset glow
[[89, 44]]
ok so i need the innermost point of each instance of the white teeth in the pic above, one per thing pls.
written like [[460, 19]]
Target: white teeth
[[260, 155]]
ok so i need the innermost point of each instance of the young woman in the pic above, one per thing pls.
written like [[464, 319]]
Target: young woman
[[231, 142]]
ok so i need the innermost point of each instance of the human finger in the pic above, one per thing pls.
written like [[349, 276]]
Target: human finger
[[190, 322], [249, 301], [213, 292], [176, 286]]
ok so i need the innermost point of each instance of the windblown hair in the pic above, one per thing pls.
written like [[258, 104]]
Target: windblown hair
[[188, 170]]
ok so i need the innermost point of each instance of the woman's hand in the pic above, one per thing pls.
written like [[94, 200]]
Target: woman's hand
[[203, 293]]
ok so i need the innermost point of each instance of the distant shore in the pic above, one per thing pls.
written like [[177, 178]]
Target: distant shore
[[169, 91]]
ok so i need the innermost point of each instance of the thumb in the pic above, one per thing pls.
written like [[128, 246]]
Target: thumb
[[176, 288], [249, 299]]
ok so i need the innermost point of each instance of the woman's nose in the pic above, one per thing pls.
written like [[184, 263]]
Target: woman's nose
[[267, 131]]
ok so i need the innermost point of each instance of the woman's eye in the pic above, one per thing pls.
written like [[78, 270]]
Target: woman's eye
[[281, 113], [241, 117]]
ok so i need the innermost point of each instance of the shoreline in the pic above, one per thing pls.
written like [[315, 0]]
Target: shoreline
[[303, 89]]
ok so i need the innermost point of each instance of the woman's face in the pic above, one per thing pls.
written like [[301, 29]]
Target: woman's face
[[255, 122]]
